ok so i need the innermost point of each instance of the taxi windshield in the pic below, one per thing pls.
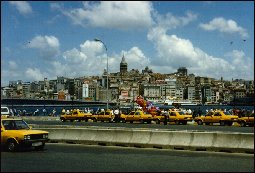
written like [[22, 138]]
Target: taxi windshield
[[15, 125], [227, 113], [181, 113]]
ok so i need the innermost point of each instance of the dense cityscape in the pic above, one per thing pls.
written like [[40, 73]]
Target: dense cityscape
[[125, 86]]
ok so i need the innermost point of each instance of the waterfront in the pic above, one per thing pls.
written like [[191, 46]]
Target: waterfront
[[30, 109]]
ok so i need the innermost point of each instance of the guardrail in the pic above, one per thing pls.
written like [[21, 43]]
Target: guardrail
[[155, 138]]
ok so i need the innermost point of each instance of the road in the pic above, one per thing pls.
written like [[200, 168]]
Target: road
[[82, 158], [188, 127]]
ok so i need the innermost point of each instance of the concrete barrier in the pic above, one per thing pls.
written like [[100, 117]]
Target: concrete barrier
[[160, 139], [122, 137], [140, 138], [184, 140], [234, 142], [202, 141]]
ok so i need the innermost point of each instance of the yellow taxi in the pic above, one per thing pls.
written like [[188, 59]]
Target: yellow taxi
[[246, 120], [224, 118], [75, 114], [15, 134], [138, 116], [103, 116], [179, 117]]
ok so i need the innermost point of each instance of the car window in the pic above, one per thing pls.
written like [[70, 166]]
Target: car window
[[132, 113], [227, 113], [209, 114], [137, 113], [4, 110], [217, 114], [14, 125], [20, 124], [181, 113]]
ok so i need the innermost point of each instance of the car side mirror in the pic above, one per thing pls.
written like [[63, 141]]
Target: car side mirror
[[2, 129]]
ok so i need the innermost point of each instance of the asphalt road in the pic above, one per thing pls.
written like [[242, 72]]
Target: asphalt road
[[82, 158], [170, 126]]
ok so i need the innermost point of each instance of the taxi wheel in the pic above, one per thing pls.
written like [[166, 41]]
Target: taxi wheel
[[184, 122], [177, 122], [142, 121], [94, 120], [242, 124], [199, 122], [230, 123], [63, 120], [40, 148], [12, 145], [131, 122], [222, 123], [157, 121]]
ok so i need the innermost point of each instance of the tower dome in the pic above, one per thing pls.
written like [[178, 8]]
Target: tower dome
[[123, 65]]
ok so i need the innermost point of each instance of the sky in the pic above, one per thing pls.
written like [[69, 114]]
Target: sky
[[47, 39]]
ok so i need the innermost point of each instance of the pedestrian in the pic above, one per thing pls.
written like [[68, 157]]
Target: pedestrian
[[53, 112], [199, 111], [116, 113], [189, 112], [44, 111], [24, 112], [165, 114], [63, 111], [195, 112], [36, 112]]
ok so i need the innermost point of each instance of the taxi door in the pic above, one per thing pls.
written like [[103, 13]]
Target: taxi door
[[217, 117], [130, 116], [208, 117], [172, 116], [137, 116]]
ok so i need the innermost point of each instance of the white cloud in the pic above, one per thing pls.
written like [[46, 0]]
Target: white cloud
[[48, 46], [90, 59], [170, 21], [174, 52], [243, 65], [34, 74], [13, 65], [22, 6], [225, 26], [135, 59], [122, 15]]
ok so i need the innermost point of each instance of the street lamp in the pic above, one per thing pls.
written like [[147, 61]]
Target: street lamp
[[98, 40]]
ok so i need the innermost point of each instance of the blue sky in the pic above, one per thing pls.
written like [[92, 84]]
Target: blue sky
[[54, 38]]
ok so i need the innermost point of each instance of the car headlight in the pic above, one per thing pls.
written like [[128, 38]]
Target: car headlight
[[27, 137], [45, 136]]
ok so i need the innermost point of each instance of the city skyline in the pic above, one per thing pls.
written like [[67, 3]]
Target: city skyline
[[214, 39]]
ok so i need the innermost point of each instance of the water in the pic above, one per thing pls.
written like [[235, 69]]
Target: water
[[49, 108], [30, 110]]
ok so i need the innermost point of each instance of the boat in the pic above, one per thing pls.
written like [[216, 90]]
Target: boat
[[179, 102]]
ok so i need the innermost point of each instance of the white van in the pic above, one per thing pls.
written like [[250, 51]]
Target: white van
[[5, 111]]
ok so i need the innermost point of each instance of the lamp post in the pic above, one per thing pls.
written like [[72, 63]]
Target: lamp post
[[98, 40]]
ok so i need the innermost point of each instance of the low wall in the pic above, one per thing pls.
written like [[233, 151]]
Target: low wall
[[154, 138]]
